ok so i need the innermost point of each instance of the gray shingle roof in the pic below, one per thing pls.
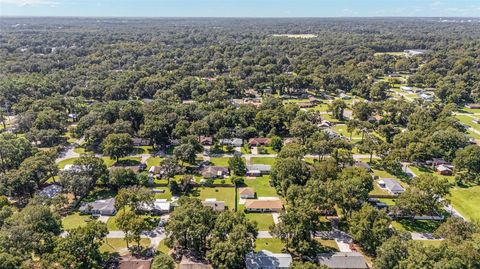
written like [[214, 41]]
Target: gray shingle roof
[[393, 185], [347, 260], [267, 259]]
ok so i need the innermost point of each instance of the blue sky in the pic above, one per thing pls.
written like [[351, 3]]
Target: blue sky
[[241, 8]]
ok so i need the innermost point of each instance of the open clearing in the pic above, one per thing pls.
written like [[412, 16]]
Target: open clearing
[[467, 201]]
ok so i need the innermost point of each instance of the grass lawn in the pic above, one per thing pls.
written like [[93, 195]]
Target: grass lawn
[[220, 161], [74, 220], [473, 134], [266, 150], [153, 161], [377, 190], [427, 170], [330, 244], [119, 245], [341, 129], [62, 164], [469, 110], [263, 160], [261, 186], [467, 201], [382, 174], [274, 245], [225, 194], [166, 195], [387, 201], [420, 226], [163, 248], [467, 120], [80, 150], [131, 159], [320, 108], [264, 220]]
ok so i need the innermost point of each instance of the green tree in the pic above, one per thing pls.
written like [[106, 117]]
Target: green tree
[[456, 230], [231, 239], [292, 150], [468, 159], [392, 251], [162, 261], [190, 225], [80, 248], [117, 145], [351, 189], [370, 227], [276, 143], [289, 171], [237, 165], [337, 107]]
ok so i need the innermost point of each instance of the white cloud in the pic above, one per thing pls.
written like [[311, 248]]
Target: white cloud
[[29, 2]]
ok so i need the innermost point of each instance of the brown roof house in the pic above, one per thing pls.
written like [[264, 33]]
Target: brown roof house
[[263, 205], [214, 172], [205, 140], [246, 193], [259, 141], [131, 262]]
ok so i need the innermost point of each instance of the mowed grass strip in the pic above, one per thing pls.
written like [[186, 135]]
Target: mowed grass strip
[[274, 245], [467, 202]]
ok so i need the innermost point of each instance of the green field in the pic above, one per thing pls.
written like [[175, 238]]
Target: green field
[[261, 186], [419, 226], [74, 220], [274, 245], [341, 129], [262, 160], [62, 164], [427, 170], [467, 201], [225, 194], [220, 161], [163, 248], [119, 245], [153, 161], [264, 220], [467, 120]]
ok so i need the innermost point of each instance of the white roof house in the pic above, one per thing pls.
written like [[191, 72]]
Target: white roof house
[[234, 142], [391, 185], [159, 206], [104, 207], [51, 191], [267, 260]]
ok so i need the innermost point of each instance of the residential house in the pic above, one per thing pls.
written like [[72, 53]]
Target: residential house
[[342, 260], [256, 170], [406, 88], [414, 52], [391, 185], [205, 140], [305, 104], [156, 171], [193, 263], [104, 207], [214, 172], [132, 262], [259, 141], [331, 133], [234, 142], [314, 100], [444, 170], [139, 142], [267, 260], [438, 161], [159, 206], [473, 106], [260, 205], [325, 124], [50, 191], [246, 193], [363, 165], [214, 204]]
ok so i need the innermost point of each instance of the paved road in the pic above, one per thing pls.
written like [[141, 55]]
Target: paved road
[[69, 152], [424, 236]]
